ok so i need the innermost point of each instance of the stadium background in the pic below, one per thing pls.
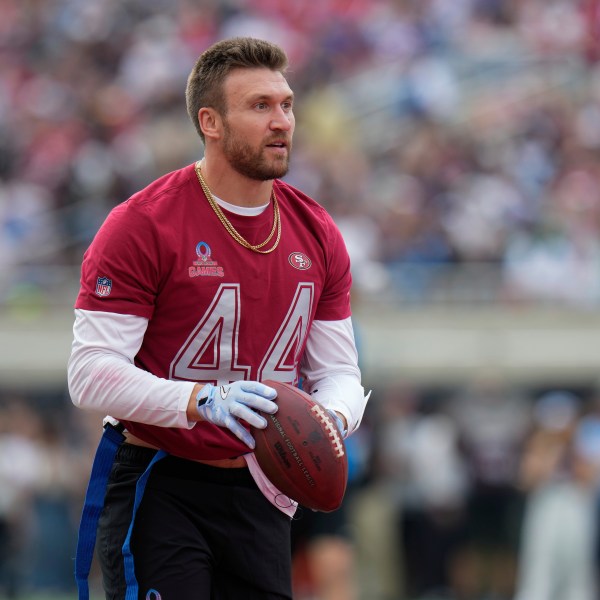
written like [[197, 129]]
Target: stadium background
[[455, 143]]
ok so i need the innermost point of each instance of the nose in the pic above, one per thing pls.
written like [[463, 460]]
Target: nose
[[282, 120]]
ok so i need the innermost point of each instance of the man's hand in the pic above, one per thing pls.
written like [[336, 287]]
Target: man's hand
[[343, 429], [226, 404]]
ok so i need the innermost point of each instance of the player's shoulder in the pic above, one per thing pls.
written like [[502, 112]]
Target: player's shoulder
[[289, 192], [297, 201], [154, 206], [164, 190]]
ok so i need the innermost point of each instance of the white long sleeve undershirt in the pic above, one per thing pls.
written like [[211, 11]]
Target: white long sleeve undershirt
[[102, 375]]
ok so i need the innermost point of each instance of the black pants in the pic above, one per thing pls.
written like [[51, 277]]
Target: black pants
[[200, 532]]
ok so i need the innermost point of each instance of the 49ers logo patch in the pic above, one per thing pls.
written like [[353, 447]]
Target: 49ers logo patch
[[299, 261]]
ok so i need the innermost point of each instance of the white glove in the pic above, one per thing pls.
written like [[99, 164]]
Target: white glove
[[224, 405], [339, 423]]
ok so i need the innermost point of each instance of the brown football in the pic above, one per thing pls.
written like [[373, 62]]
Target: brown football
[[301, 450]]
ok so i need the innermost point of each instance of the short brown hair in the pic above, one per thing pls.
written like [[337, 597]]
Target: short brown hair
[[205, 82]]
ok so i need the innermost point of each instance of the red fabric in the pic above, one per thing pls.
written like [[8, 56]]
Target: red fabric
[[218, 312], [204, 441]]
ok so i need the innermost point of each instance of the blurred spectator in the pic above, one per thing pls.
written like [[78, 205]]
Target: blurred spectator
[[21, 463], [42, 479], [559, 472], [53, 526], [433, 518], [378, 506], [492, 420]]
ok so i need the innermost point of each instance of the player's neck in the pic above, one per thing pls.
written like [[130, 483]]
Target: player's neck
[[233, 187]]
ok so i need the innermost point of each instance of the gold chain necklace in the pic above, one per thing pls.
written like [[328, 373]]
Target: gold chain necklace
[[232, 230]]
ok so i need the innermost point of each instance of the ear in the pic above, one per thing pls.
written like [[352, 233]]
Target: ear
[[210, 123]]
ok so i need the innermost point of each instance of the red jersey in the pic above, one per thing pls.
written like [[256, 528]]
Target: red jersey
[[218, 312]]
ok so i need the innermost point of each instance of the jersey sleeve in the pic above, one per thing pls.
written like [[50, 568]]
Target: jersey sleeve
[[120, 269], [334, 303]]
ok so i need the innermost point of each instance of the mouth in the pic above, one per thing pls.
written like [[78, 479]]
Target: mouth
[[278, 145]]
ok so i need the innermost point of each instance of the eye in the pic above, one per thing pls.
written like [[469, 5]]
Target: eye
[[287, 106], [261, 106]]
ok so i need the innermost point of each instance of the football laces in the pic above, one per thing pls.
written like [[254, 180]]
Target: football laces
[[332, 430]]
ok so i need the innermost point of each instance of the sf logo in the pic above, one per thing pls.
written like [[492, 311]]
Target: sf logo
[[299, 261]]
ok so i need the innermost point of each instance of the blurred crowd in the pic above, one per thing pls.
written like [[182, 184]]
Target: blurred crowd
[[474, 492], [481, 492], [45, 458], [456, 143]]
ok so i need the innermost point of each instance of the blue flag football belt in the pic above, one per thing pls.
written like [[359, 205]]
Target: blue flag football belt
[[110, 441]]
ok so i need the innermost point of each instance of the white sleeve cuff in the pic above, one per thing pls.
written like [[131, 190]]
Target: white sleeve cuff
[[342, 394]]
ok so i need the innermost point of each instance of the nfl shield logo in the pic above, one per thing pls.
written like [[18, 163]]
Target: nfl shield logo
[[103, 286]]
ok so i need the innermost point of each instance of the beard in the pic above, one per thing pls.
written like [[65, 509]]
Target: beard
[[252, 162]]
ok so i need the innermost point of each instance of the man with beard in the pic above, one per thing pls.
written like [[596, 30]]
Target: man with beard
[[210, 280]]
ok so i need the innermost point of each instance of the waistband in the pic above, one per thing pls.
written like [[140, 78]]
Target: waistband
[[136, 454], [182, 468]]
